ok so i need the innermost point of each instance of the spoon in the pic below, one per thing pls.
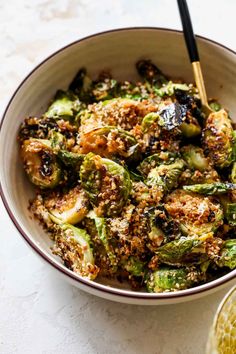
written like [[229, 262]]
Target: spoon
[[193, 54]]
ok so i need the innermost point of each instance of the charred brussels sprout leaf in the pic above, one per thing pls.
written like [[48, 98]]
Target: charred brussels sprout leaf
[[77, 241], [169, 117], [82, 85], [182, 251], [167, 279], [228, 254], [230, 213], [218, 139], [40, 163], [69, 207], [195, 214], [107, 184], [150, 72], [166, 176], [109, 141], [211, 188], [64, 106], [71, 159]]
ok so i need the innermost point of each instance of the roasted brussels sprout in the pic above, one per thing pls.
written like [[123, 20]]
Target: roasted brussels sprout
[[64, 106], [109, 141], [182, 251], [211, 188], [150, 72], [73, 245], [102, 231], [152, 161], [194, 157], [40, 163], [71, 159], [218, 138], [227, 256], [230, 213], [215, 106], [81, 85], [166, 176], [68, 207], [107, 184], [196, 215], [169, 89], [134, 266], [190, 128], [168, 279], [169, 117]]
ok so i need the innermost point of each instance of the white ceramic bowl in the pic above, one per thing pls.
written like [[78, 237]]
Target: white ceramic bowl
[[117, 51]]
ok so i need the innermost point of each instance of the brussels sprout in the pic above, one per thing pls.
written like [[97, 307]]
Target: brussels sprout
[[211, 188], [101, 227], [166, 176], [228, 254], [215, 106], [58, 141], [73, 245], [38, 128], [64, 106], [69, 207], [233, 173], [169, 117], [104, 88], [182, 251], [107, 183], [197, 215], [134, 266], [194, 157], [169, 89], [190, 129], [150, 72], [170, 279], [152, 161], [71, 159], [218, 138], [230, 213], [81, 85], [156, 234], [109, 141], [40, 163]]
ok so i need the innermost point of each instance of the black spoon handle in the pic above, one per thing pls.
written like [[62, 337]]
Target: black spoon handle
[[188, 30]]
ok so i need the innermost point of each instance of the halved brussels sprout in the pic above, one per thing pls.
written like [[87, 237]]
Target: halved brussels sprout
[[211, 188], [101, 227], [169, 89], [69, 207], [64, 106], [166, 176], [215, 106], [58, 141], [40, 163], [71, 159], [182, 251], [218, 138], [152, 161], [73, 245], [107, 184], [194, 157], [230, 213], [170, 279], [197, 215], [109, 141], [190, 128], [134, 266], [228, 254]]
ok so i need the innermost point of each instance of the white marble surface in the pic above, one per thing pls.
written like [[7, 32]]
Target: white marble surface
[[40, 313]]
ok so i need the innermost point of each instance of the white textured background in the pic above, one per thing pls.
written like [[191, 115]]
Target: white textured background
[[40, 313]]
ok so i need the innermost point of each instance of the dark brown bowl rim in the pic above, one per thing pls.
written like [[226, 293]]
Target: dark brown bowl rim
[[61, 268]]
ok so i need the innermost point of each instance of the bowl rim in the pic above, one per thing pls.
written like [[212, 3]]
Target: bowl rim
[[60, 267]]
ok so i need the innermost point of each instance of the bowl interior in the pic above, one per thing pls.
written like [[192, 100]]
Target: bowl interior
[[116, 51]]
